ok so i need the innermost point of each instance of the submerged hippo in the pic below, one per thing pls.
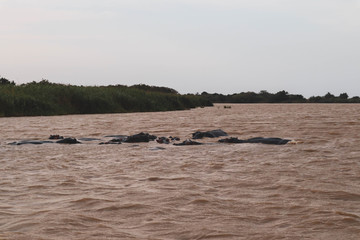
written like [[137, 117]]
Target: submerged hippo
[[210, 134], [56, 137], [36, 142], [275, 141], [188, 142], [113, 141], [164, 140], [232, 140], [68, 141], [140, 137], [167, 140]]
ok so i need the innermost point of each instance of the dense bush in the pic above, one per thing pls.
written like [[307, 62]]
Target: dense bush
[[279, 97], [45, 98]]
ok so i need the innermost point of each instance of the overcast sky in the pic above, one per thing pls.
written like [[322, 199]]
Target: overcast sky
[[307, 47]]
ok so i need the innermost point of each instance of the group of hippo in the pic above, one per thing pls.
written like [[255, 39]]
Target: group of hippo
[[146, 137]]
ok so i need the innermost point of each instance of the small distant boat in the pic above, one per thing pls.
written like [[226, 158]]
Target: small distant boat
[[227, 106]]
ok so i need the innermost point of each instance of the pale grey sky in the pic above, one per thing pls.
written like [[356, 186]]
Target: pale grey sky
[[307, 47]]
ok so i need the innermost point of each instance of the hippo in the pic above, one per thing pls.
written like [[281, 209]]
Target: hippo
[[275, 141], [167, 140], [232, 140], [56, 137], [36, 142], [163, 140], [210, 134], [113, 141], [86, 139], [117, 136], [188, 142], [174, 138], [68, 141], [140, 137]]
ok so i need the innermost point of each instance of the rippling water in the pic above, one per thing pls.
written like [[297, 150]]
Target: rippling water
[[308, 190]]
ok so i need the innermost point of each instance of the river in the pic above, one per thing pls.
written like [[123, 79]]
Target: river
[[306, 189]]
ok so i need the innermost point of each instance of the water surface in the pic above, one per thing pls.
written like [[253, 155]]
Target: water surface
[[308, 190]]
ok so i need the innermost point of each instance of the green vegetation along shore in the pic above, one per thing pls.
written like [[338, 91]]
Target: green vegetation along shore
[[279, 97], [46, 98]]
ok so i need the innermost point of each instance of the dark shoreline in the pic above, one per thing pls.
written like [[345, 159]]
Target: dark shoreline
[[51, 99], [279, 97]]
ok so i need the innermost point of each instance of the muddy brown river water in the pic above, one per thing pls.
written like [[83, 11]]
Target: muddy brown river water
[[307, 190]]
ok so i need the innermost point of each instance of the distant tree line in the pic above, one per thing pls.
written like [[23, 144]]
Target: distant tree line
[[46, 98], [279, 97], [4, 81]]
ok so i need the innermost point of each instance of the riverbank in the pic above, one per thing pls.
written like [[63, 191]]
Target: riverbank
[[46, 99]]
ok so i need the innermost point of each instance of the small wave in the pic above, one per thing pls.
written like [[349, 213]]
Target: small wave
[[38, 213], [199, 201], [89, 218], [155, 179], [7, 213], [219, 236], [339, 195], [68, 183], [209, 234], [84, 200], [109, 209], [347, 214], [311, 150], [269, 220], [22, 225], [217, 166], [74, 222], [36, 187], [350, 220], [129, 206], [88, 202]]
